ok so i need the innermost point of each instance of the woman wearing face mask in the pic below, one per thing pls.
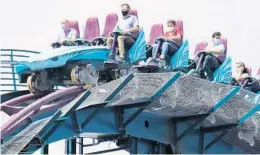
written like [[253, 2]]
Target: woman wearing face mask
[[172, 35], [211, 62]]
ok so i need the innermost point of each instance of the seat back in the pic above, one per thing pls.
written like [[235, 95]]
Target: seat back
[[223, 73], [75, 25], [258, 74], [179, 26], [200, 47], [156, 31], [180, 58], [91, 29], [249, 69], [138, 51], [110, 23], [222, 57], [134, 12]]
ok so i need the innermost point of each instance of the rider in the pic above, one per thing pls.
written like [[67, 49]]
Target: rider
[[172, 35], [211, 62], [67, 33], [241, 72], [129, 25]]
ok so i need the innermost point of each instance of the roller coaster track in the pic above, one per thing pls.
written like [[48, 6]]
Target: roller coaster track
[[145, 113]]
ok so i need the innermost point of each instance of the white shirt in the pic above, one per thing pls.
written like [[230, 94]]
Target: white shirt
[[72, 34]]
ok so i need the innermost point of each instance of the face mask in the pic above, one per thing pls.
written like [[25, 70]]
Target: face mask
[[217, 41], [124, 13], [63, 26], [170, 29]]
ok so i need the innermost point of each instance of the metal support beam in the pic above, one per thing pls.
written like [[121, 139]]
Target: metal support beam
[[174, 146], [201, 142], [81, 143], [89, 118], [216, 139], [45, 150], [110, 97], [70, 146], [110, 150]]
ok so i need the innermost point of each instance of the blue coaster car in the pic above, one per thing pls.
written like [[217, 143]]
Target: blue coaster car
[[74, 65]]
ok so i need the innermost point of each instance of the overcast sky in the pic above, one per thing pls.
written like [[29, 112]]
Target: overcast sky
[[33, 24]]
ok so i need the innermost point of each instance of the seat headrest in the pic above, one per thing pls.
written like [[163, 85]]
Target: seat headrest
[[179, 26], [200, 47], [74, 25], [224, 42], [134, 12], [249, 69], [110, 23], [156, 31], [91, 29], [258, 74]]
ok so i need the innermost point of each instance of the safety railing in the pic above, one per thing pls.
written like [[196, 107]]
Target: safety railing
[[9, 78]]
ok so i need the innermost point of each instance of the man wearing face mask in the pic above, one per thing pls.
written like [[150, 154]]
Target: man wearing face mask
[[129, 25], [211, 62], [67, 34], [172, 35]]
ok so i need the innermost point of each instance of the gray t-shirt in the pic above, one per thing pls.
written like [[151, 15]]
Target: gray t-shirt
[[128, 22]]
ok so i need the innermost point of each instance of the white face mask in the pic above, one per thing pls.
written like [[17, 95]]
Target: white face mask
[[217, 41], [63, 26], [170, 29]]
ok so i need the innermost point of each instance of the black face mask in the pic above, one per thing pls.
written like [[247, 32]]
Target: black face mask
[[124, 13]]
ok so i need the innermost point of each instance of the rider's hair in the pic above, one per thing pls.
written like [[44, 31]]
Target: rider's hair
[[216, 34], [172, 21], [125, 4], [243, 65]]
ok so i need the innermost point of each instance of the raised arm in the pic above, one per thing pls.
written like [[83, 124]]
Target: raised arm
[[216, 49]]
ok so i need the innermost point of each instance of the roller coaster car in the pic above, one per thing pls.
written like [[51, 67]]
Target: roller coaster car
[[74, 65]]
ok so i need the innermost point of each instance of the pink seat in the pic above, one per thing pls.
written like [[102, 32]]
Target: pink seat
[[249, 69], [222, 57], [134, 12], [200, 47], [179, 26], [91, 29], [156, 31], [110, 23], [74, 24], [258, 74]]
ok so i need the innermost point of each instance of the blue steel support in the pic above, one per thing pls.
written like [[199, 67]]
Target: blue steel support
[[45, 150], [13, 72], [155, 96], [81, 143], [110, 97], [70, 146]]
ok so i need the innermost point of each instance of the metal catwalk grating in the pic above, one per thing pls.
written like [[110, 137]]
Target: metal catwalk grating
[[246, 136], [20, 141], [240, 104], [189, 96], [100, 93], [141, 88]]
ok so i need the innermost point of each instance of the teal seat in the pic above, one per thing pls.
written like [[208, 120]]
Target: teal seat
[[224, 71], [138, 51], [181, 57]]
